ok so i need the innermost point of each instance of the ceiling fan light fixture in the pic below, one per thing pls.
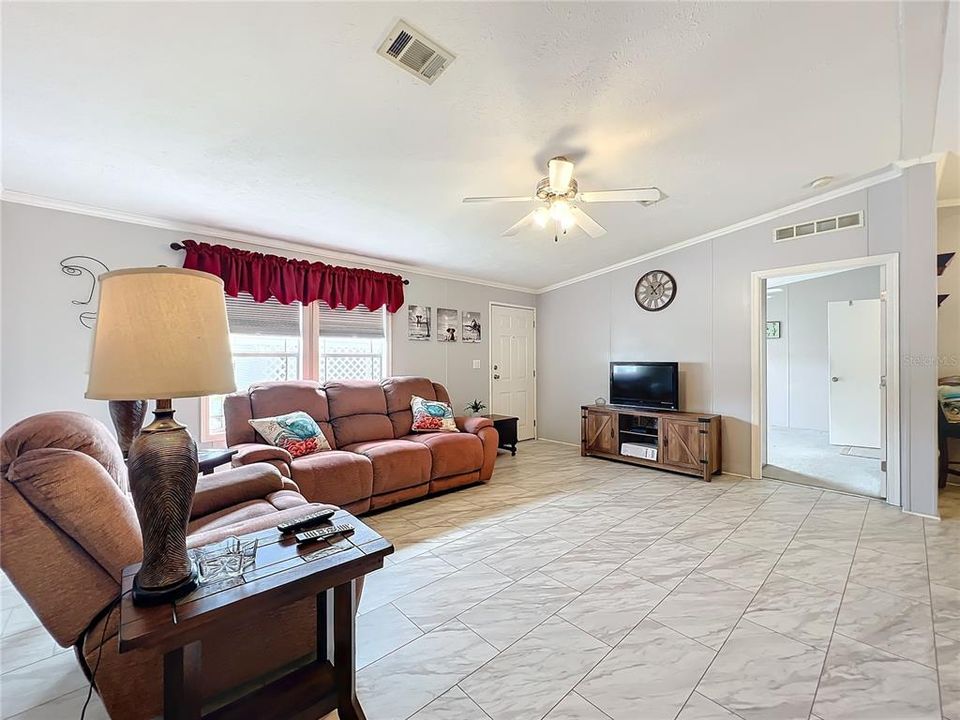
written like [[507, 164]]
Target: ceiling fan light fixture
[[541, 216], [559, 209], [560, 212]]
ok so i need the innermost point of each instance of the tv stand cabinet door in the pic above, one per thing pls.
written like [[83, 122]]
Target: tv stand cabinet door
[[682, 444], [600, 431]]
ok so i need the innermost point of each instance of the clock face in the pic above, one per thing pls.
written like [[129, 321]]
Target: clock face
[[655, 290]]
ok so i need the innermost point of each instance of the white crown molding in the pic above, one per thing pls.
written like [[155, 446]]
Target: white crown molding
[[259, 241], [893, 172]]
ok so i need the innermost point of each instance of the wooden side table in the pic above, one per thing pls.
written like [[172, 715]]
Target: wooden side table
[[324, 569], [506, 426], [213, 458]]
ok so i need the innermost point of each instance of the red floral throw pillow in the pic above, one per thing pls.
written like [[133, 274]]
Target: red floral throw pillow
[[432, 416], [295, 432]]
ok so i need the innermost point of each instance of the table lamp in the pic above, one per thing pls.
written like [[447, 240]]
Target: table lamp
[[161, 333]]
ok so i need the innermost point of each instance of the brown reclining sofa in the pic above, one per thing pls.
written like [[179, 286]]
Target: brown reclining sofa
[[376, 460]]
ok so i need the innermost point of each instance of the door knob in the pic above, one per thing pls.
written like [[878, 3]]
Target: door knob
[[496, 377], [834, 379]]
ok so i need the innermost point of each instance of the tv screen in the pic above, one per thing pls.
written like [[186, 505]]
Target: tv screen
[[645, 384]]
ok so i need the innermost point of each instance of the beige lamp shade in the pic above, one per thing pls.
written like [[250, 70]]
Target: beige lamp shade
[[160, 333]]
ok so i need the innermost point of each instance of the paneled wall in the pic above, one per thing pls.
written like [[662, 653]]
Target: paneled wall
[[585, 325]]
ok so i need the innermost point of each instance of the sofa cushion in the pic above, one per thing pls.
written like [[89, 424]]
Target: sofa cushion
[[451, 453], [355, 397], [334, 476], [358, 411], [280, 398], [399, 392], [397, 464]]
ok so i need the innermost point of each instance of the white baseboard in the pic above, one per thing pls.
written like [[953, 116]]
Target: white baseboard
[[923, 515], [558, 442]]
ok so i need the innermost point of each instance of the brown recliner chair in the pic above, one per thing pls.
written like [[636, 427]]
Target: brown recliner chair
[[67, 530], [376, 460]]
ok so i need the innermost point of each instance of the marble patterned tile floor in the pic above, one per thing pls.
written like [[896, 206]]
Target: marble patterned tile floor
[[572, 588]]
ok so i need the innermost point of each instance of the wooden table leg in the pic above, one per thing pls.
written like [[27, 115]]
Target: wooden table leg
[[182, 698], [324, 616], [345, 651]]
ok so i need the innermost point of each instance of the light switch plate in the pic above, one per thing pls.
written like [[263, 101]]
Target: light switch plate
[[476, 364]]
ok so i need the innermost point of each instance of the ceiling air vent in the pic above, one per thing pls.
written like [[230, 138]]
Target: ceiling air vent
[[817, 227], [415, 52]]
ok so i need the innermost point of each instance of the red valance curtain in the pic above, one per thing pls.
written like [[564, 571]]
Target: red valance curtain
[[286, 279]]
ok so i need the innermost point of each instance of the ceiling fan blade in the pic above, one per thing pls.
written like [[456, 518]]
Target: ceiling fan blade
[[561, 173], [519, 225], [590, 226], [646, 195], [515, 198]]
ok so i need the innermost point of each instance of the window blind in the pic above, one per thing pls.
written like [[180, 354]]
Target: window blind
[[248, 317], [358, 322]]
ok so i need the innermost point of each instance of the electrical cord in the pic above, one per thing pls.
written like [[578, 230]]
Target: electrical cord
[[103, 637]]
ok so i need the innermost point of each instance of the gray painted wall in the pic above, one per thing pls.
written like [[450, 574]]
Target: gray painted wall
[[45, 349], [798, 391], [778, 363], [581, 327]]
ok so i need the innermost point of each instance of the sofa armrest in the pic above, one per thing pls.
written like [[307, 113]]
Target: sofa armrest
[[225, 489], [248, 453], [472, 425], [253, 524]]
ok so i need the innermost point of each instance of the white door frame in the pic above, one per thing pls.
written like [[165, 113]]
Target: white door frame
[[890, 266], [536, 430]]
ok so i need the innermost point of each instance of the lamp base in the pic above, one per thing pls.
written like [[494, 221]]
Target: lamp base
[[163, 472], [159, 596]]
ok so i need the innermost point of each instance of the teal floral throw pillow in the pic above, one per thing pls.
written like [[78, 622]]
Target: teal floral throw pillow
[[295, 432], [432, 416]]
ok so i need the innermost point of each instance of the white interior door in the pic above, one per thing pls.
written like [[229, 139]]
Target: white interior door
[[512, 352], [855, 352]]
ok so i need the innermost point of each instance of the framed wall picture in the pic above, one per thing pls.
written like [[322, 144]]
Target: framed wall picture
[[418, 322], [448, 324], [471, 327], [773, 330]]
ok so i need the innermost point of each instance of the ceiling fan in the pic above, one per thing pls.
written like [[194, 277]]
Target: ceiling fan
[[559, 195]]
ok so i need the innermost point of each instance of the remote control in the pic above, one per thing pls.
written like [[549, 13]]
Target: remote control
[[292, 526], [322, 533]]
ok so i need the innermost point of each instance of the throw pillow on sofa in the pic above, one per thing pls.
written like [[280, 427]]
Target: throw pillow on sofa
[[295, 432], [432, 416]]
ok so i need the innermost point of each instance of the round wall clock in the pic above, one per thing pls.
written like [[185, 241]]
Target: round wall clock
[[655, 290]]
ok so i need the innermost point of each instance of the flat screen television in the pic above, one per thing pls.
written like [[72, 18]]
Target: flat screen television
[[653, 385]]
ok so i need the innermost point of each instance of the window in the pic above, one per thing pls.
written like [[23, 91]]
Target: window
[[352, 344], [271, 341], [265, 339]]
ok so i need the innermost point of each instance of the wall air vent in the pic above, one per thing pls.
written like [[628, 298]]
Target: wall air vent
[[817, 227], [413, 51]]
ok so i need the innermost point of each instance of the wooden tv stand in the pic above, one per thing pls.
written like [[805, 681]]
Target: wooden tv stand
[[684, 442]]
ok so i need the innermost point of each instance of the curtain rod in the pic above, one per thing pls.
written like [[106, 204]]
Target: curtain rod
[[178, 246]]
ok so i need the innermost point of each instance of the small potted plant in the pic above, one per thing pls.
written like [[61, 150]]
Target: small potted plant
[[475, 408]]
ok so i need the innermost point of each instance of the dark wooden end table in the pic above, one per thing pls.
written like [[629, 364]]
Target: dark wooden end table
[[284, 573], [506, 426], [213, 458]]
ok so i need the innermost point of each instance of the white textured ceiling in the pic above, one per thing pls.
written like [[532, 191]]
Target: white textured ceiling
[[280, 119]]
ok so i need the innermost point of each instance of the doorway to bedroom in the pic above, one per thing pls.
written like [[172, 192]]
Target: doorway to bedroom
[[825, 380]]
